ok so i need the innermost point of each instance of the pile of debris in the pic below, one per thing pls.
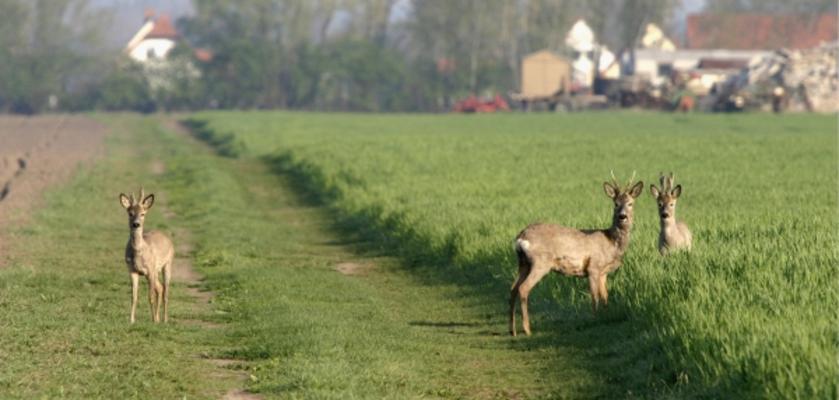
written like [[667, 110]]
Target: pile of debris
[[795, 80]]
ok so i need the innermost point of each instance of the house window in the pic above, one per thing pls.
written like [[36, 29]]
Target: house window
[[150, 54], [665, 69]]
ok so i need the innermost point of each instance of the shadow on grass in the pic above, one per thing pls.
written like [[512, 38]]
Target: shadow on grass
[[449, 324], [612, 347]]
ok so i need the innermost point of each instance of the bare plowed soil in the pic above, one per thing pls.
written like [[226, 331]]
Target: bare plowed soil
[[36, 153]]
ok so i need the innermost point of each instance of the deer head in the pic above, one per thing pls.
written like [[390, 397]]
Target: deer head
[[666, 196], [624, 198], [136, 209]]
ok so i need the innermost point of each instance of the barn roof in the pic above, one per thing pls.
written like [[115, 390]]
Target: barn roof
[[744, 31]]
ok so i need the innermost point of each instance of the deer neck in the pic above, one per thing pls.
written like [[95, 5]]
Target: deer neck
[[619, 235], [136, 239], [667, 223]]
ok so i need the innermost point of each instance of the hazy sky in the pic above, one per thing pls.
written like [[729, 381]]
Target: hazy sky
[[128, 14]]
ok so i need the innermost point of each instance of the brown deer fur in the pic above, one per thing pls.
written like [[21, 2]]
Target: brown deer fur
[[674, 234], [592, 253], [147, 254]]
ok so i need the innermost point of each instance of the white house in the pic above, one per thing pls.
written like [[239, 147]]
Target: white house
[[151, 47], [581, 39], [155, 39]]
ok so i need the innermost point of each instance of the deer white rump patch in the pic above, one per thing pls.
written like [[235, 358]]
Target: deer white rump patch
[[521, 244]]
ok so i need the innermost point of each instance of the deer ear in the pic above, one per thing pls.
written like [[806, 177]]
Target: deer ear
[[123, 199], [654, 191], [636, 190], [610, 190], [148, 201], [677, 191]]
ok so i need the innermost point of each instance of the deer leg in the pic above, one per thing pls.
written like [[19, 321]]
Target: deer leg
[[594, 289], [167, 277], [536, 274], [158, 291], [152, 295], [514, 293], [135, 285], [604, 295]]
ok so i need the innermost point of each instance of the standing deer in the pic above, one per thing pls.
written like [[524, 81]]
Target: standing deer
[[674, 234], [147, 254], [592, 253]]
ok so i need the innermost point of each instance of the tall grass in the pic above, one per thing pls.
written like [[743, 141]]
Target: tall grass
[[751, 310]]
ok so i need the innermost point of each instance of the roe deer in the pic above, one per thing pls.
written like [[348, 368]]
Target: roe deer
[[592, 253], [674, 234], [148, 254]]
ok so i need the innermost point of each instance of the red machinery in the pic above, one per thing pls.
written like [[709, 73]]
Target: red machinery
[[473, 104]]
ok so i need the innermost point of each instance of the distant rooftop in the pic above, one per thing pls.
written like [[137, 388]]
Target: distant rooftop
[[163, 29], [745, 31]]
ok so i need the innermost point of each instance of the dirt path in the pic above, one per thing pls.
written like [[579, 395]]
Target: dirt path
[[184, 275], [37, 153]]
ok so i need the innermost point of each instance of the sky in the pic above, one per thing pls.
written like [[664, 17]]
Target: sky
[[128, 14]]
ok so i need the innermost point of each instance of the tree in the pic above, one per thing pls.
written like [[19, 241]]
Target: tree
[[48, 47]]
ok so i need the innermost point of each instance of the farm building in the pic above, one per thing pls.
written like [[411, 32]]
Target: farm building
[[745, 31], [657, 66], [720, 46], [545, 77]]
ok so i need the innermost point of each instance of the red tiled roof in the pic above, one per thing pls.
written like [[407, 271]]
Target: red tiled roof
[[743, 31], [163, 29], [203, 55]]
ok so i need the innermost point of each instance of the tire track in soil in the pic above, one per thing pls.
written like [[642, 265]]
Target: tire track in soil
[[185, 275], [22, 161]]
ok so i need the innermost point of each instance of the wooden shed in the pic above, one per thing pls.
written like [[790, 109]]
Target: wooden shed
[[544, 77]]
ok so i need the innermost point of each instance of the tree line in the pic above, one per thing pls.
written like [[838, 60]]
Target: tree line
[[353, 55]]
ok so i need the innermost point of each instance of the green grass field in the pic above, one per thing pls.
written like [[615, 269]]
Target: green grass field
[[283, 315], [750, 311]]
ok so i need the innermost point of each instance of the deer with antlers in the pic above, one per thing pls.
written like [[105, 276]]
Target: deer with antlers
[[592, 253], [148, 254], [674, 235]]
